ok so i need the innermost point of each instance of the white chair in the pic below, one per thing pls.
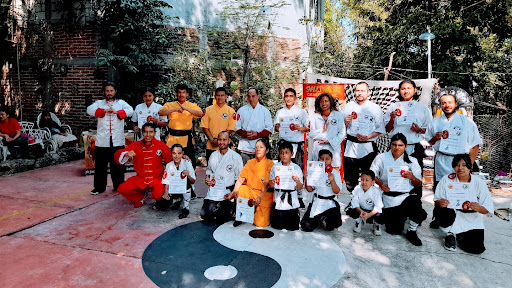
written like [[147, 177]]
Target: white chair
[[67, 128], [3, 148], [43, 137]]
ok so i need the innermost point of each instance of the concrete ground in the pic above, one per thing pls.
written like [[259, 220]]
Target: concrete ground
[[55, 234]]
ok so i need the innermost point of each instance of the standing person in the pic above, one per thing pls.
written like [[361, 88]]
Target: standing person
[[296, 123], [327, 129], [364, 123], [255, 175], [180, 114], [184, 168], [324, 206], [10, 130], [111, 113], [148, 112], [147, 155], [463, 223], [218, 117], [285, 213], [396, 174], [253, 122], [411, 118], [451, 134]]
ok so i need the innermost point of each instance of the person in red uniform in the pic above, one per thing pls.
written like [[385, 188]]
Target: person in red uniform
[[10, 131], [147, 155]]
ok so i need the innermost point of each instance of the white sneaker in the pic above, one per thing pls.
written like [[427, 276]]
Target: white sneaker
[[357, 226], [377, 231]]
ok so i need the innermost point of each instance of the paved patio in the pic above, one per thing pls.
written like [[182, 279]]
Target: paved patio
[[54, 234]]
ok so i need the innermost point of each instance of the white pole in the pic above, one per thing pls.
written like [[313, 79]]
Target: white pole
[[429, 57]]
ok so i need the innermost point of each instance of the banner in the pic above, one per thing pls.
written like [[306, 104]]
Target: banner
[[313, 90]]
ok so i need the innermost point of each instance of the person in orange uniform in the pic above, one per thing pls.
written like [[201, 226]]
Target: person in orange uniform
[[217, 118], [147, 155], [256, 172], [180, 114]]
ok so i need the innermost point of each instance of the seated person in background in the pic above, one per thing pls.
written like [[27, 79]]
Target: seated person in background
[[182, 168], [366, 204], [324, 206], [10, 131], [223, 169], [147, 155], [285, 213], [253, 184], [463, 223], [58, 133]]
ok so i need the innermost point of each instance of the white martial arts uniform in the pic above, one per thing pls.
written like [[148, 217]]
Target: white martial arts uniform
[[226, 169], [110, 125], [369, 200], [282, 204], [142, 111], [184, 165], [462, 136], [321, 205], [252, 119], [294, 115], [335, 134]]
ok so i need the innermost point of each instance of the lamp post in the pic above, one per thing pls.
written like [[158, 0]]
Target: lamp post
[[428, 36]]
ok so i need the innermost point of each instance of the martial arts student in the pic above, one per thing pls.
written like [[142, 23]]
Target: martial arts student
[[184, 169], [396, 174], [110, 113], [324, 206], [463, 221], [411, 118], [285, 212], [451, 134], [223, 169], [148, 112], [364, 123], [295, 121], [256, 174], [366, 205], [327, 129]]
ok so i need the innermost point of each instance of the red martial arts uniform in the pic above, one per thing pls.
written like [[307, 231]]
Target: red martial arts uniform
[[149, 168]]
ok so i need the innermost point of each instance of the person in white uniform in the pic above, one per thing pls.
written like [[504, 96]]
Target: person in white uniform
[[396, 174], [253, 121], [221, 174], [411, 118], [182, 168], [324, 206], [148, 112], [327, 128], [286, 178], [364, 123], [366, 204], [461, 218], [111, 113]]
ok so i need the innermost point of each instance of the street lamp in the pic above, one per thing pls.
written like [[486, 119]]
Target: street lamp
[[428, 36]]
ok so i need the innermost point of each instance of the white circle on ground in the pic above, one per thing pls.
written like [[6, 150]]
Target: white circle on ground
[[220, 272]]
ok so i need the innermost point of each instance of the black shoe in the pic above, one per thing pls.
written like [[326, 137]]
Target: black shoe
[[413, 238], [450, 243], [183, 214], [176, 205], [434, 224], [96, 191], [301, 203], [237, 223]]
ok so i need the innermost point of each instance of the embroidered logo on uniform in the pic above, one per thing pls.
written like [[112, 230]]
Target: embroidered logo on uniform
[[465, 186], [391, 170], [140, 112], [371, 119], [225, 116], [172, 174], [451, 176], [262, 179], [369, 201], [281, 120], [328, 183], [229, 168], [458, 130], [409, 104], [334, 121], [159, 152], [399, 105], [296, 118], [450, 186]]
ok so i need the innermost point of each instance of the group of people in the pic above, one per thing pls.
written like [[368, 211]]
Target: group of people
[[390, 185]]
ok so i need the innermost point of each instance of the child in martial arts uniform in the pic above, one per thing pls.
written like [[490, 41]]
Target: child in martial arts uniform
[[183, 168], [324, 206], [366, 204], [285, 213]]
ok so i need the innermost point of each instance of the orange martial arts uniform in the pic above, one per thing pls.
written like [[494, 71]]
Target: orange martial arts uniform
[[181, 123], [149, 168], [256, 173]]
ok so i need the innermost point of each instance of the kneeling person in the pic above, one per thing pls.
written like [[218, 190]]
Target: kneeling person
[[366, 204], [179, 167], [147, 155], [223, 169], [463, 223], [324, 205], [285, 213]]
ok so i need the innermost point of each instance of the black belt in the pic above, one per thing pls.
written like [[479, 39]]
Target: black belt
[[395, 194], [466, 211], [445, 154], [355, 140], [298, 143], [325, 197], [230, 188], [289, 195], [173, 132]]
